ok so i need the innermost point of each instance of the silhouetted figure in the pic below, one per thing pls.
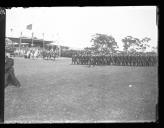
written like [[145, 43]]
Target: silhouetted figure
[[10, 78]]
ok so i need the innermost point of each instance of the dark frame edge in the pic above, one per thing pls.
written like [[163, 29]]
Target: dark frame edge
[[2, 62]]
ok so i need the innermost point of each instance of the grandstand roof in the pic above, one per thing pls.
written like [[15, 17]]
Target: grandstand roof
[[29, 40]]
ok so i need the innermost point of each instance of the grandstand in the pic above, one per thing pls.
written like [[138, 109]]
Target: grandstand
[[14, 42], [36, 41]]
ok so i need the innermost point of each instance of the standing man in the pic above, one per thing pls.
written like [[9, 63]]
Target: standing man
[[9, 73]]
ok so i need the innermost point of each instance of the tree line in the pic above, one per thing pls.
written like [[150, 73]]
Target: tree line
[[103, 43], [107, 44]]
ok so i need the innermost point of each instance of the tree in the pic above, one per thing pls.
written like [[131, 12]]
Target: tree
[[144, 44], [154, 49], [103, 42], [130, 41]]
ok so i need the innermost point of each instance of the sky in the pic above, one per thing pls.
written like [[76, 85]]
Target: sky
[[75, 26]]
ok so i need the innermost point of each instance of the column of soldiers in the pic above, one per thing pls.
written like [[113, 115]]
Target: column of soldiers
[[115, 59], [49, 54]]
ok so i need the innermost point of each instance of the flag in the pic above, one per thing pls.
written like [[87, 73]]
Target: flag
[[29, 27], [11, 29]]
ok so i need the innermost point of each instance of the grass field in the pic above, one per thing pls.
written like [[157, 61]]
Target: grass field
[[60, 92]]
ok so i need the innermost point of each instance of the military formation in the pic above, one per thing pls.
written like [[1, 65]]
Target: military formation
[[91, 59], [48, 55], [36, 53], [115, 59]]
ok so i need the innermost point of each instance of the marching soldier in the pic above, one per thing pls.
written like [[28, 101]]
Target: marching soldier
[[91, 60], [73, 59]]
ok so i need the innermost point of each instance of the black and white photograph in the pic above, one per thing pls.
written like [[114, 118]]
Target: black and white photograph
[[81, 64]]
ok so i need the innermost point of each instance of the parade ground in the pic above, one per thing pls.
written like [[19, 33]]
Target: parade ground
[[57, 91]]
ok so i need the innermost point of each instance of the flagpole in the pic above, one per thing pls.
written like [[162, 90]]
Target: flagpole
[[59, 50], [11, 36], [32, 38], [29, 27], [20, 42], [43, 41]]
